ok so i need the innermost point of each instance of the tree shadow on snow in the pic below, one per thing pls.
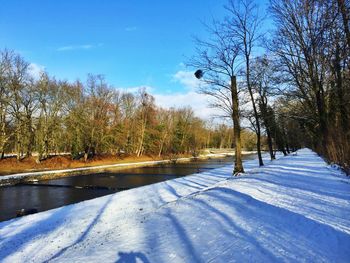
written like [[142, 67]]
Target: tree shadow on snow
[[238, 226], [279, 230], [86, 231], [132, 257], [39, 228]]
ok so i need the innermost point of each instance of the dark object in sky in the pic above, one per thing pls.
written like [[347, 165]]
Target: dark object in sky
[[199, 74]]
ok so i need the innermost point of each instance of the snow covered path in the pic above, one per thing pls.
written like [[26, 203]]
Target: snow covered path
[[294, 209]]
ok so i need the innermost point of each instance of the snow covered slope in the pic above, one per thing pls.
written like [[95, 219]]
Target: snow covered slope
[[294, 209]]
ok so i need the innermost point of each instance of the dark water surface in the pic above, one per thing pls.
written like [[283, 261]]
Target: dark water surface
[[48, 194]]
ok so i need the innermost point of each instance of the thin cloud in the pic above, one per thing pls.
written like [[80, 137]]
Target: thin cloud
[[136, 89], [76, 47], [35, 70], [187, 79]]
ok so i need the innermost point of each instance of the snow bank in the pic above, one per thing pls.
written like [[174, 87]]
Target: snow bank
[[294, 209]]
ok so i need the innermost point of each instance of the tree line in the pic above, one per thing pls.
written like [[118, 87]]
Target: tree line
[[291, 84], [45, 116]]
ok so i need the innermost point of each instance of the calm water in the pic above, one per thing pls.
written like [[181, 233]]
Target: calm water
[[48, 194]]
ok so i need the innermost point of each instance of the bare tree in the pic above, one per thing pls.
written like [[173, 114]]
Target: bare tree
[[146, 107], [300, 43], [263, 85], [243, 24], [51, 99], [5, 100], [22, 104], [44, 116], [166, 123], [218, 59]]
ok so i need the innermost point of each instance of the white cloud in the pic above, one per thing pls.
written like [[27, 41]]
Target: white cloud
[[198, 102], [136, 89], [187, 79], [35, 70], [76, 47]]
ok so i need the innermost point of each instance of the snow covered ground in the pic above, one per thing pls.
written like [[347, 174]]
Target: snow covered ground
[[294, 209]]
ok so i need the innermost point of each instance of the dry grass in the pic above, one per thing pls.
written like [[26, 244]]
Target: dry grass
[[11, 165]]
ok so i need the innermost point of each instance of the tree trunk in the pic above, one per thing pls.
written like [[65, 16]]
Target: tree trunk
[[139, 150], [345, 16], [269, 142], [339, 84], [3, 136], [18, 143], [162, 142], [30, 135], [237, 129], [256, 116], [322, 115], [267, 123], [258, 144]]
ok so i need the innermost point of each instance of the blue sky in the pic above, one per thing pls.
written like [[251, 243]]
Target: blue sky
[[132, 42]]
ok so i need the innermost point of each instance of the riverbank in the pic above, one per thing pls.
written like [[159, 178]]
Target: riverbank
[[296, 208], [117, 165], [10, 165]]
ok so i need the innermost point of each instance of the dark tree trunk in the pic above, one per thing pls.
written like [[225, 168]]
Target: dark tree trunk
[[345, 16], [256, 115], [237, 128], [339, 84], [268, 124], [269, 142]]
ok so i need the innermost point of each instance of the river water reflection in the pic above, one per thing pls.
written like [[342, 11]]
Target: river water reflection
[[54, 193]]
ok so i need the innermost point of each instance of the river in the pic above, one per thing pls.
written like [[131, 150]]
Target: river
[[49, 194]]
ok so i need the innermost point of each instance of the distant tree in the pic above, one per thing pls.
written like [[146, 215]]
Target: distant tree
[[128, 109], [262, 81], [51, 98], [44, 116], [165, 127], [6, 57], [22, 104], [144, 116]]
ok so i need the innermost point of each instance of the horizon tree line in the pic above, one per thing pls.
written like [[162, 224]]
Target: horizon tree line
[[46, 116]]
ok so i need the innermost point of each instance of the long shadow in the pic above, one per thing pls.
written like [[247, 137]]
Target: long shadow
[[257, 211], [313, 199], [200, 183], [300, 184], [86, 232], [132, 257], [230, 223], [314, 172], [182, 234], [41, 227], [195, 186], [171, 189]]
